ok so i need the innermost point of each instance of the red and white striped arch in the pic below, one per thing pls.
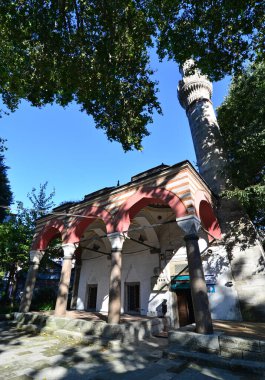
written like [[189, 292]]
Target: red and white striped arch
[[181, 189]]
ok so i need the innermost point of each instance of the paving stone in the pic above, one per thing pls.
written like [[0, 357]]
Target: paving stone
[[163, 376], [24, 353], [254, 367], [168, 363], [262, 346], [259, 356], [194, 341], [54, 373], [229, 342], [24, 372], [21, 377], [230, 353]]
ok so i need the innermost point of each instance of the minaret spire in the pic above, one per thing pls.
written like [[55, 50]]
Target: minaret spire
[[194, 93]]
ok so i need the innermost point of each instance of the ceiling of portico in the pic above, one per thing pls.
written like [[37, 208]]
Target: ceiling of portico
[[94, 241], [154, 226]]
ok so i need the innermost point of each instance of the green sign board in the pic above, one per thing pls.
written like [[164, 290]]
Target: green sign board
[[183, 282], [180, 282]]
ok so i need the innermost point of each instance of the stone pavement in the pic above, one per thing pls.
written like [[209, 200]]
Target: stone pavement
[[251, 330], [44, 357]]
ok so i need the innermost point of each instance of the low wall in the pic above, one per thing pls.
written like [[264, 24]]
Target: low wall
[[82, 330], [219, 344]]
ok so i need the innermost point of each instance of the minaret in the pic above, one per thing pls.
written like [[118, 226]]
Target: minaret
[[194, 93], [245, 252]]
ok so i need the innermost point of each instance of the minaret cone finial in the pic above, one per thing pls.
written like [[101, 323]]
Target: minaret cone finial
[[188, 68], [194, 86]]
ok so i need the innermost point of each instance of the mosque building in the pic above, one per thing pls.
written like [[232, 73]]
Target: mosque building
[[164, 237]]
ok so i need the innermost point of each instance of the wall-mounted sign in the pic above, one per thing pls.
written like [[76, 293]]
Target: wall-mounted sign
[[183, 282], [210, 279], [180, 282], [210, 289]]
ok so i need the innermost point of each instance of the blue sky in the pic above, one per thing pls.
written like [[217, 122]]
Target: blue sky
[[63, 147]]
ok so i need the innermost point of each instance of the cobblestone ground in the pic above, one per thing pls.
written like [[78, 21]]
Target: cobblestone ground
[[24, 357]]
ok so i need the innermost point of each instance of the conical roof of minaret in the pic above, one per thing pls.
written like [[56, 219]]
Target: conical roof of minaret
[[194, 86]]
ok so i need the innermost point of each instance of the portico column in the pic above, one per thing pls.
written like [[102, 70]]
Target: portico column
[[35, 258], [76, 282], [61, 302], [191, 225], [116, 240]]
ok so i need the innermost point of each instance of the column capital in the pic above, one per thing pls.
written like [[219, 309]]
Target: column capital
[[190, 224], [116, 240], [68, 250], [36, 256]]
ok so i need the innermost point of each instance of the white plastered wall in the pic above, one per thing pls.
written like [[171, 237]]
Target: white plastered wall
[[94, 271], [224, 303], [135, 268], [139, 268]]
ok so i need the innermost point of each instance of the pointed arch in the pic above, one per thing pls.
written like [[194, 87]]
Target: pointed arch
[[52, 229], [88, 215], [142, 198], [205, 212]]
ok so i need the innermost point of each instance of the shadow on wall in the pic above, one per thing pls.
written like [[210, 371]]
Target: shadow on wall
[[239, 232], [243, 300]]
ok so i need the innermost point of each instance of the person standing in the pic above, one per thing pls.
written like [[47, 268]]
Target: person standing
[[164, 312]]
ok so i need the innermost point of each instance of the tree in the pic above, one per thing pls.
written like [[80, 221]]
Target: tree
[[41, 202], [97, 52], [93, 52], [242, 119], [16, 235], [5, 190], [219, 35]]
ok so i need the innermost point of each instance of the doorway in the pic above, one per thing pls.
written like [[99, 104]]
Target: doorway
[[185, 307], [92, 290], [132, 297]]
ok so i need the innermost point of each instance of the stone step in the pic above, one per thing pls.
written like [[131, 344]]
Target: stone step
[[255, 367], [29, 328], [6, 317], [3, 324], [230, 347]]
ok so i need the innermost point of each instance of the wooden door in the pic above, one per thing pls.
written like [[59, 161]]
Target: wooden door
[[185, 309]]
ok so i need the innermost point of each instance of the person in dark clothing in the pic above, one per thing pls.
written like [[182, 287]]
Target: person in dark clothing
[[164, 311]]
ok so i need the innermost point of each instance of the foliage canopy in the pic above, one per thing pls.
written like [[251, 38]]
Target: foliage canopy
[[5, 190], [97, 52], [242, 122], [17, 231]]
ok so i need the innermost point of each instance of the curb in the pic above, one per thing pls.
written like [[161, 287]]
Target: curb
[[6, 317]]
